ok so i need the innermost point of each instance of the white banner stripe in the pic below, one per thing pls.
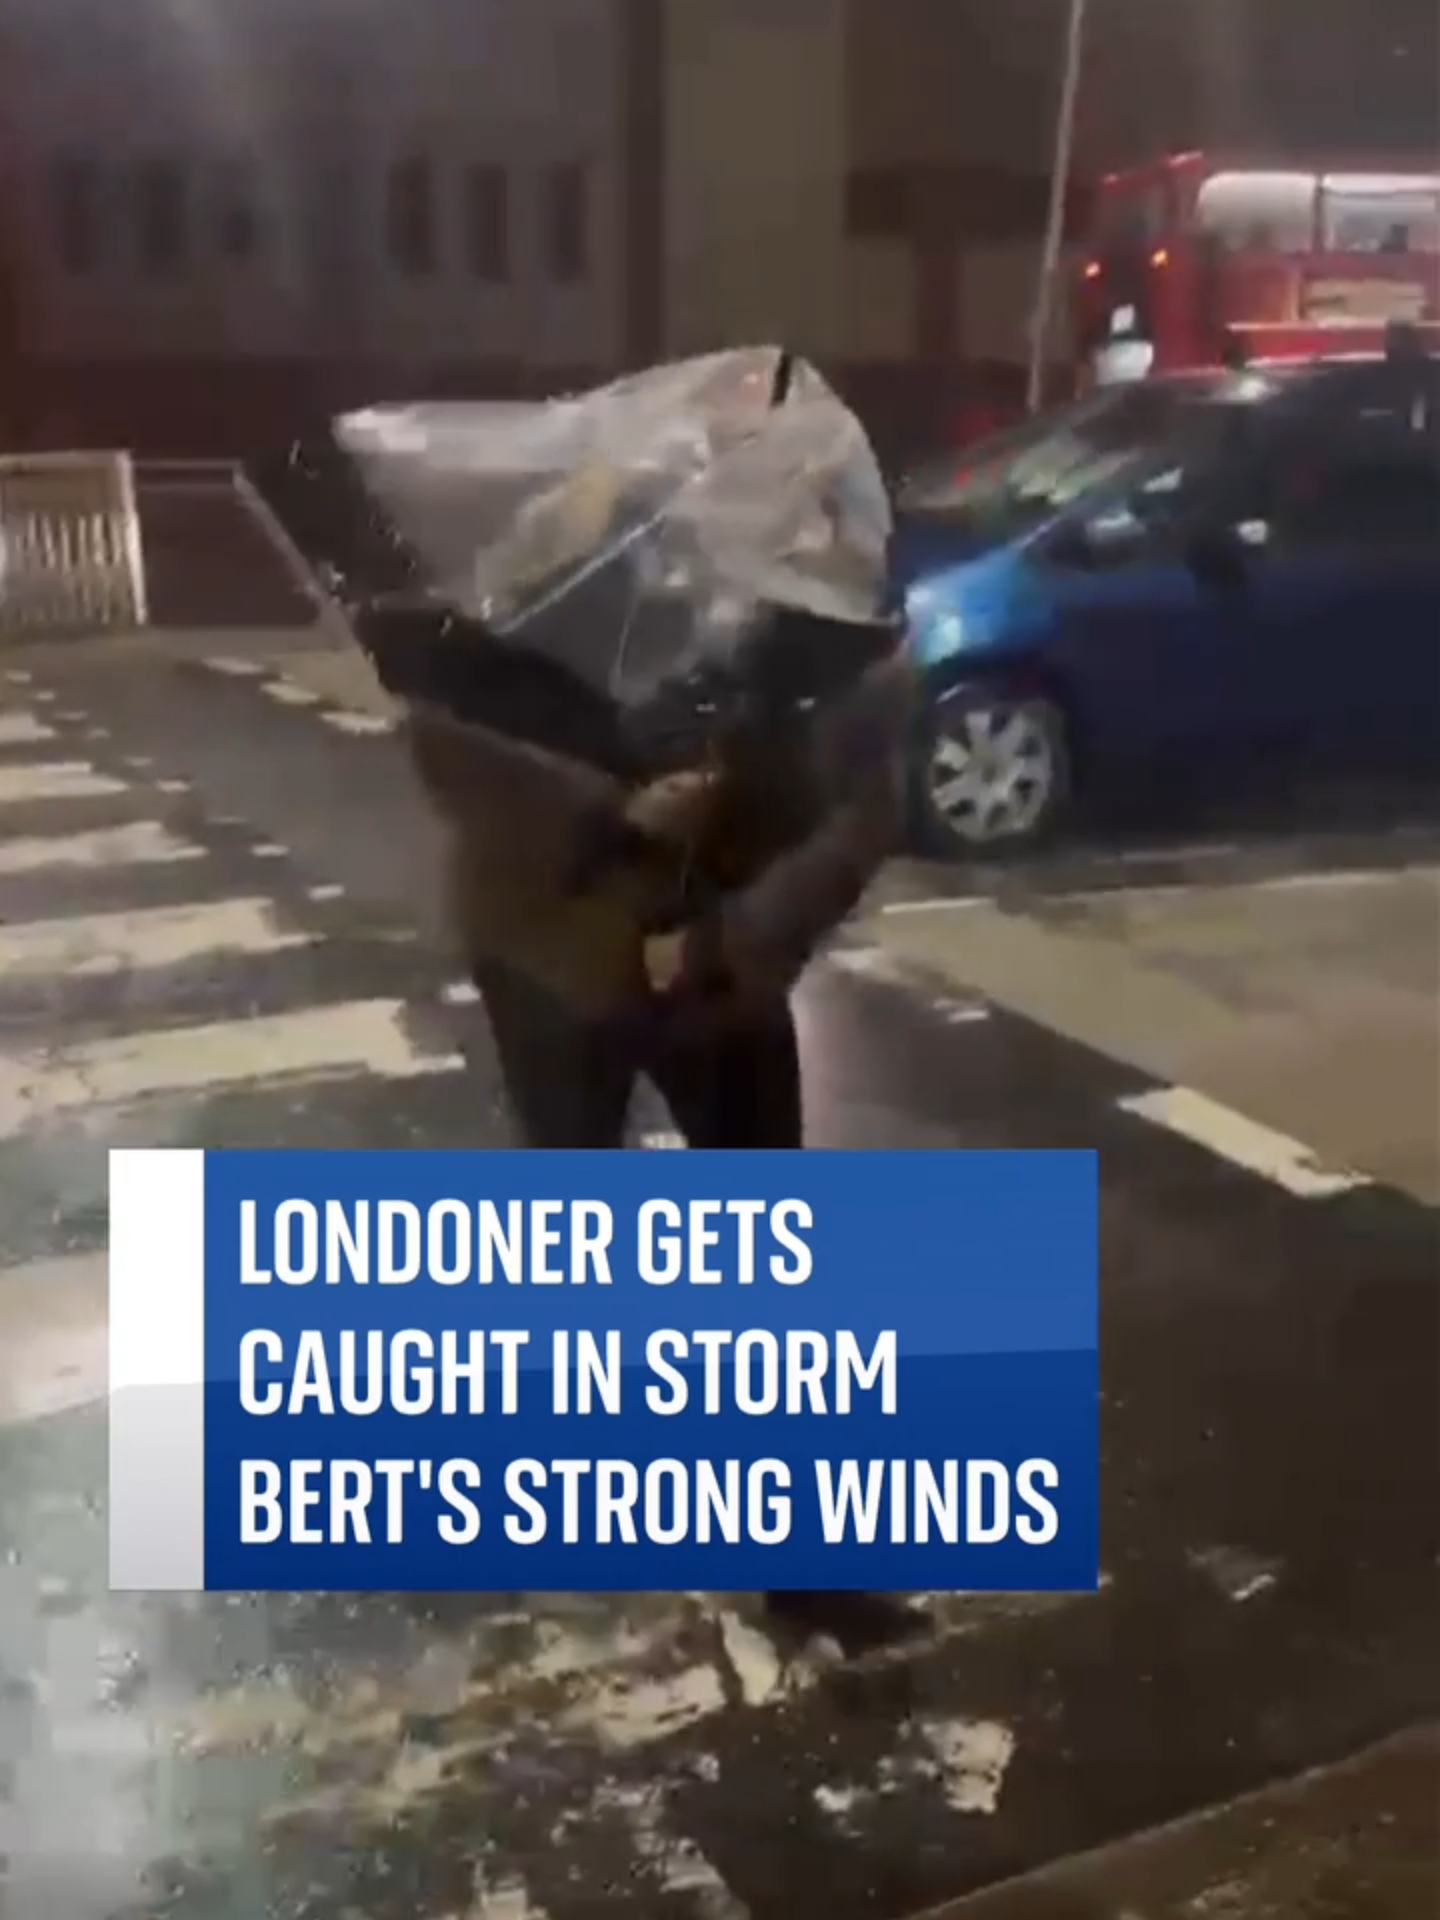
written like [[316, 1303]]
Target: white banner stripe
[[102, 943], [143, 843], [56, 780], [363, 1037], [157, 1370]]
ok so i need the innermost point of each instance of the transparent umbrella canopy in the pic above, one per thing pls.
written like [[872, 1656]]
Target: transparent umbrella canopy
[[642, 532]]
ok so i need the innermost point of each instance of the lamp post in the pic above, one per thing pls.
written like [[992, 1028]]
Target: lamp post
[[1053, 245]]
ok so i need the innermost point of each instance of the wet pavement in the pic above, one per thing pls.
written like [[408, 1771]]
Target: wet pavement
[[1282, 960], [208, 933], [1358, 1839]]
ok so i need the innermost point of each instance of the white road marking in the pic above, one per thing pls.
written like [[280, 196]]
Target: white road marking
[[971, 1759], [1238, 1573], [1245, 1143], [348, 720], [269, 850], [56, 780], [869, 963], [357, 1037], [677, 1863], [506, 1899], [326, 890], [459, 993], [662, 1140], [20, 728], [54, 1345], [237, 669], [104, 943], [1334, 880], [875, 963], [1202, 850], [285, 693], [595, 1680], [626, 1710], [1330, 879], [753, 1659], [945, 903], [1340, 880], [145, 843], [172, 786], [20, 679]]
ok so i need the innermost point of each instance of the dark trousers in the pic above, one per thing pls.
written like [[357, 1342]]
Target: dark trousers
[[570, 1080]]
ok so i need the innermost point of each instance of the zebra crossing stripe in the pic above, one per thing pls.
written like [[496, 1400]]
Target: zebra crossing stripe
[[103, 943], [142, 843], [54, 1340], [351, 720], [355, 1037], [56, 780], [21, 728]]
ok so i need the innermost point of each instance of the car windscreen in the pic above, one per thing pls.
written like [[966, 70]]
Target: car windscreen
[[1022, 478]]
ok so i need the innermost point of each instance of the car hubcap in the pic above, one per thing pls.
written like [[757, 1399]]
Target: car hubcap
[[993, 772]]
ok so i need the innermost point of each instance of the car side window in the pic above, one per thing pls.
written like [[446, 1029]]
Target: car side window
[[1141, 522], [1382, 494], [1363, 478]]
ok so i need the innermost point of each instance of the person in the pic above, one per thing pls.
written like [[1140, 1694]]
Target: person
[[619, 928]]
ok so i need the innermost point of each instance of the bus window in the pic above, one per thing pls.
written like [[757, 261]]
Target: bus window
[[1258, 212], [1379, 213]]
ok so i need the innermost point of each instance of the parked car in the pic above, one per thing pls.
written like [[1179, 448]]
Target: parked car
[[1195, 577]]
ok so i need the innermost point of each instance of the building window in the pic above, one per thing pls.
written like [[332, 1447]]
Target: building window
[[487, 222], [160, 215], [237, 215], [410, 217], [567, 235], [78, 213]]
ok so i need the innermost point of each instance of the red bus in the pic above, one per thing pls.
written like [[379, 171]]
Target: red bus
[[1189, 255]]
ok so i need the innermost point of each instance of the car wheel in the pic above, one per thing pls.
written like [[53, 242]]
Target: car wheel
[[994, 773]]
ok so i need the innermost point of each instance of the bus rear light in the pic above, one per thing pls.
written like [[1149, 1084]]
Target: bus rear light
[[1160, 257], [1092, 269]]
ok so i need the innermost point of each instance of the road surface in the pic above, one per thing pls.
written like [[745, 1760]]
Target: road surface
[[213, 914], [1284, 968]]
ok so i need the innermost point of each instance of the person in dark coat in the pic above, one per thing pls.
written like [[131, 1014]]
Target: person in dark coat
[[617, 929], [674, 955], [620, 924]]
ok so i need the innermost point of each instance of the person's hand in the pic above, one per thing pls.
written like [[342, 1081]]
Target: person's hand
[[664, 960], [675, 808], [709, 959]]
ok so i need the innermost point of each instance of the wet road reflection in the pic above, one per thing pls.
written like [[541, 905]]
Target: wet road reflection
[[1271, 1520]]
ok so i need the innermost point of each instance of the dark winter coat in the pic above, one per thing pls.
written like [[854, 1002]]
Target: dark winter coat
[[560, 868]]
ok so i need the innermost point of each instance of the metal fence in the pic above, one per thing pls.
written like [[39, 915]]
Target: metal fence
[[71, 554]]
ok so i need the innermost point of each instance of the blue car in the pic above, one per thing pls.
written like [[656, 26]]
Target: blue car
[[1193, 579]]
